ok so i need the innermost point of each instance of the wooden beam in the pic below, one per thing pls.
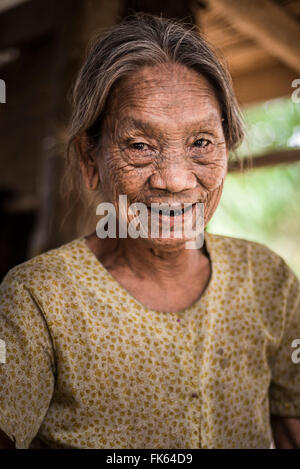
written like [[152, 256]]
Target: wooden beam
[[270, 159], [217, 29], [263, 84], [246, 57], [267, 23]]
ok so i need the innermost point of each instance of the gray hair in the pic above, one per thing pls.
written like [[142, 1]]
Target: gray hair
[[140, 40]]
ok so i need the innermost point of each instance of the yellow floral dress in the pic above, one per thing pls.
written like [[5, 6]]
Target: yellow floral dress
[[86, 365]]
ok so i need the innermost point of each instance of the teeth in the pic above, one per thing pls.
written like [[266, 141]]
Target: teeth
[[171, 210]]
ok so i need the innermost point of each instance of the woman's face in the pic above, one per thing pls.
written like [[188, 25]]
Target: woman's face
[[163, 141]]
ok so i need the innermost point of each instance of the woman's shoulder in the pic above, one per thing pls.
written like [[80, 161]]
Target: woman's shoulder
[[240, 249], [257, 272], [54, 265], [264, 264]]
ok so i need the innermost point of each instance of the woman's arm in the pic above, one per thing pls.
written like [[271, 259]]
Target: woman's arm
[[286, 432], [29, 366], [5, 442]]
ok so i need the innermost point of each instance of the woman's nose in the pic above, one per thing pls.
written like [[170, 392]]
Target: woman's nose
[[173, 179]]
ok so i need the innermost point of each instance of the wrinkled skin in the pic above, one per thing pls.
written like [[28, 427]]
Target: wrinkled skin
[[162, 141]]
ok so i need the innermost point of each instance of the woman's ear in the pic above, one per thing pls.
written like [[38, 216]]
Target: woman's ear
[[88, 163]]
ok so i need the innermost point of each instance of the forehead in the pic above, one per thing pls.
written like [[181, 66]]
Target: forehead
[[166, 92]]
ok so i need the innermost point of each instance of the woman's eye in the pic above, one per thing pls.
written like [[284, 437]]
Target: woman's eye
[[140, 146], [201, 143]]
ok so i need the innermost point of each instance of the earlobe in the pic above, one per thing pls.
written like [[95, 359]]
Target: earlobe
[[87, 162], [83, 147], [94, 180], [90, 174]]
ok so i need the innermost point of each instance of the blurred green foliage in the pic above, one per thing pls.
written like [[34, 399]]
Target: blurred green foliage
[[263, 205]]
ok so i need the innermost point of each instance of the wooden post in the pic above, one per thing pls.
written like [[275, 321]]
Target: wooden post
[[267, 23]]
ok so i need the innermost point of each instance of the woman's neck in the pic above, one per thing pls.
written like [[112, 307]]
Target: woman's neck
[[163, 265]]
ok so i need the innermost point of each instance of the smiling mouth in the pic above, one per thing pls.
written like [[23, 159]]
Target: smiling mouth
[[171, 212]]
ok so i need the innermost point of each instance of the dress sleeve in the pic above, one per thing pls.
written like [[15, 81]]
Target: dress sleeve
[[285, 364], [27, 362]]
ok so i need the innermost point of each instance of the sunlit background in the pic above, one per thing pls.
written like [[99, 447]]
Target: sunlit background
[[263, 204]]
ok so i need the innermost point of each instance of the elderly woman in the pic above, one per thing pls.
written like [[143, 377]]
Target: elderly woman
[[139, 341]]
